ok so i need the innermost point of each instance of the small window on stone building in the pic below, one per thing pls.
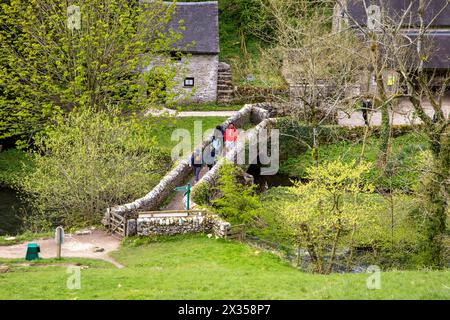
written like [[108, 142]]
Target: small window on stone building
[[189, 82]]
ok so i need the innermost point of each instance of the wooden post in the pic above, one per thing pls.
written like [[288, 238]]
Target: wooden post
[[59, 238]]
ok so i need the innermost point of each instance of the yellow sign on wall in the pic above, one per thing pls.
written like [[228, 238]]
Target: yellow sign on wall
[[391, 80]]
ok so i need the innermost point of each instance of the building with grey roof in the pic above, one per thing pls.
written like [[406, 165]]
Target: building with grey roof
[[200, 44], [373, 14]]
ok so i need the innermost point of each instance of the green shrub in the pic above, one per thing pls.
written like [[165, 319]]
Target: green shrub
[[200, 194], [389, 238], [404, 167], [326, 208], [238, 202], [88, 162], [13, 164]]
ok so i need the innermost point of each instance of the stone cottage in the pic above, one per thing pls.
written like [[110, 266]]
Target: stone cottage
[[201, 77], [200, 46], [370, 13]]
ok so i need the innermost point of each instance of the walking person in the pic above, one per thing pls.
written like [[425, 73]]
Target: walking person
[[197, 163], [210, 156], [366, 107], [230, 137], [218, 140]]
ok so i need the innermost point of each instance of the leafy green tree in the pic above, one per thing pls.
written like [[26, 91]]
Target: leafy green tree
[[238, 202], [326, 208], [57, 55], [87, 162]]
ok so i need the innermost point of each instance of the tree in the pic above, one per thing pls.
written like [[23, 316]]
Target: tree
[[325, 208], [320, 66], [250, 20], [87, 162], [237, 201], [407, 55], [57, 55]]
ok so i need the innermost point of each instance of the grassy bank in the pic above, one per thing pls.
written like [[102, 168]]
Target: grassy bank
[[196, 267], [407, 160], [166, 127]]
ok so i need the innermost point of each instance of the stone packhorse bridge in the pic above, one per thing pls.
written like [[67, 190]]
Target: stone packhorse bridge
[[141, 216], [133, 218]]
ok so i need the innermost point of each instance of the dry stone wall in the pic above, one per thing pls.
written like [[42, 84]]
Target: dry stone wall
[[254, 113], [147, 226]]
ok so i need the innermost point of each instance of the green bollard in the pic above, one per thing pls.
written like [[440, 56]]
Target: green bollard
[[33, 250]]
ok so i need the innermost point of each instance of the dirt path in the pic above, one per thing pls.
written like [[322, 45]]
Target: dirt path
[[171, 112], [402, 115], [177, 201], [75, 246]]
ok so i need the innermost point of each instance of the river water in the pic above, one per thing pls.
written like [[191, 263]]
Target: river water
[[11, 208], [266, 182]]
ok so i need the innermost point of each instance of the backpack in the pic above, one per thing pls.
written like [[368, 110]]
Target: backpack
[[216, 144]]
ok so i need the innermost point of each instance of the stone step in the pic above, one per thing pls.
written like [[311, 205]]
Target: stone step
[[221, 86], [224, 78], [225, 92], [223, 65], [225, 84]]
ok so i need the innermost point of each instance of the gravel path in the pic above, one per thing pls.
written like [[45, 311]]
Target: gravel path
[[177, 201], [95, 245], [182, 114], [403, 114]]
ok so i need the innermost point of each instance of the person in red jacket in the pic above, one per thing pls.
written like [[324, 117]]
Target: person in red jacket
[[230, 137]]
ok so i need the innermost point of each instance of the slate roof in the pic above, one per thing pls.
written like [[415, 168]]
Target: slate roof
[[201, 22], [436, 14], [440, 48]]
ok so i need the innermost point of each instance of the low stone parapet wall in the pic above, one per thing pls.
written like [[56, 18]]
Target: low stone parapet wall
[[254, 113], [147, 226], [201, 191]]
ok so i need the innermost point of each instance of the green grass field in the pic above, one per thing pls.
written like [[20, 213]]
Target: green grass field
[[406, 161], [207, 107], [195, 267], [164, 130]]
